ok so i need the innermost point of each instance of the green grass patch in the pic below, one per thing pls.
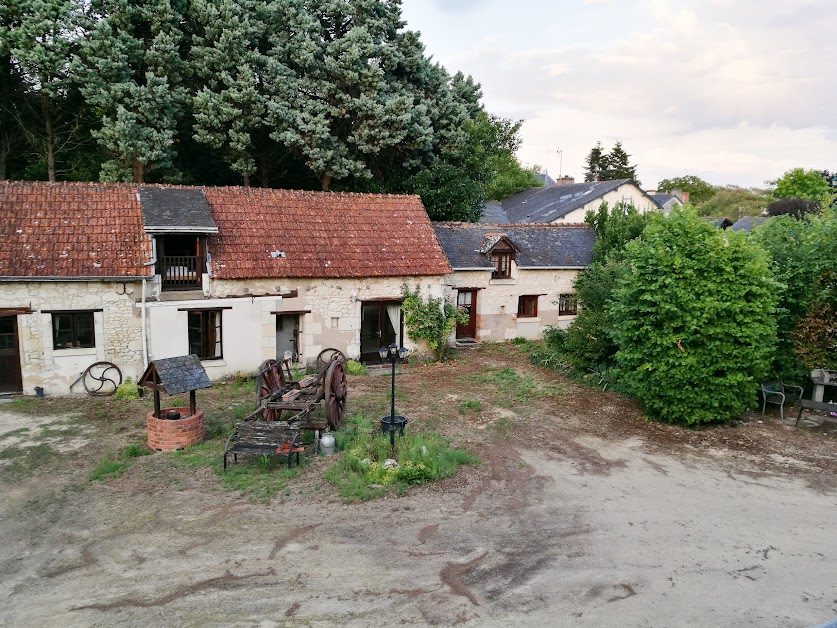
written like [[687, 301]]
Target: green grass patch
[[21, 431], [114, 465], [259, 478], [359, 474], [471, 405]]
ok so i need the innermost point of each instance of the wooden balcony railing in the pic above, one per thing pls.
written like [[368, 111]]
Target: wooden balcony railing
[[181, 272]]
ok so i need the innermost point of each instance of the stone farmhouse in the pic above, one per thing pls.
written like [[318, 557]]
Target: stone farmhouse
[[514, 279], [126, 273]]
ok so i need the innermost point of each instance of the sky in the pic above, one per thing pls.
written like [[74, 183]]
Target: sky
[[733, 91]]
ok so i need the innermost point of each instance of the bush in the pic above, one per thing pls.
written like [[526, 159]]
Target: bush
[[355, 368], [432, 320], [127, 390], [693, 320]]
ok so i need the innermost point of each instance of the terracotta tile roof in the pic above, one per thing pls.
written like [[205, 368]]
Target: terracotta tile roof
[[71, 230], [96, 230], [321, 234]]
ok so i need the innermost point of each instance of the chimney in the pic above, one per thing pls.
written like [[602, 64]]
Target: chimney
[[684, 197], [565, 180]]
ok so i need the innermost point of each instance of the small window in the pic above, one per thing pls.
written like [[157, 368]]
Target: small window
[[567, 305], [527, 306], [502, 265], [205, 334], [73, 330]]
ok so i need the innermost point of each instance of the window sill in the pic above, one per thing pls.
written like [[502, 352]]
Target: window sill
[[68, 352], [567, 313], [528, 319], [213, 362], [501, 282]]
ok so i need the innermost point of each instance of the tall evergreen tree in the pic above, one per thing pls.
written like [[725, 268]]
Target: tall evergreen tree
[[131, 70], [229, 105], [595, 163], [43, 44], [11, 85], [337, 96], [617, 165]]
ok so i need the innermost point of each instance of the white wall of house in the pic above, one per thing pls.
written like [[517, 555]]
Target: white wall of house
[[498, 299], [627, 192], [118, 331]]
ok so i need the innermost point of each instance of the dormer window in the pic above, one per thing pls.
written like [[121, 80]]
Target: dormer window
[[502, 264]]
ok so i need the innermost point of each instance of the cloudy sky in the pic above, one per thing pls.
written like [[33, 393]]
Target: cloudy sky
[[733, 91]]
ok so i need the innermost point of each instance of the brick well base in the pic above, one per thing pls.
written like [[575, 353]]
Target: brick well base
[[165, 435]]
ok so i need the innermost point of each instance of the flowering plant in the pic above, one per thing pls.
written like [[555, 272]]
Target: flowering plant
[[432, 320]]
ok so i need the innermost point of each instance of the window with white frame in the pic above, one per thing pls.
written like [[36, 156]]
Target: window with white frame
[[73, 330]]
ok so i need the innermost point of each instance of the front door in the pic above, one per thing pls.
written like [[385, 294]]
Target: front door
[[467, 300], [10, 375], [287, 336], [376, 328]]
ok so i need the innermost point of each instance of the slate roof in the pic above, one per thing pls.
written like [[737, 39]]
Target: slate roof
[[493, 213], [546, 204], [97, 230], [747, 223], [179, 375], [71, 230], [720, 223], [540, 245], [662, 199], [175, 210]]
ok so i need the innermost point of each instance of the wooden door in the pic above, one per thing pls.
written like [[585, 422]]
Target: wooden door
[[11, 380], [467, 300]]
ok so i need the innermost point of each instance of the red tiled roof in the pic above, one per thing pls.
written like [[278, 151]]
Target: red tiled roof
[[71, 230], [322, 234], [95, 230]]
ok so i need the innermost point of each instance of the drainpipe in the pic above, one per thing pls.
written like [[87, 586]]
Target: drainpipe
[[144, 332]]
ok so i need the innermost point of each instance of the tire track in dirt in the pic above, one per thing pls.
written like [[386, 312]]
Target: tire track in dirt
[[293, 535], [87, 560], [451, 575], [190, 589]]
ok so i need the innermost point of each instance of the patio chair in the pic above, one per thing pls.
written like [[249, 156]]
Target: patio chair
[[779, 393]]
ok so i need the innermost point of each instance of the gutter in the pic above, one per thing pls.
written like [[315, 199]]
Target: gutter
[[19, 279]]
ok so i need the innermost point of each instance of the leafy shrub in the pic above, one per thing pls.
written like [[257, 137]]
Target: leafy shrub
[[693, 320], [469, 404], [432, 320], [127, 390], [355, 368]]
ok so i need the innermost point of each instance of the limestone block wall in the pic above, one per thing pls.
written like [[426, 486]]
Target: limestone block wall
[[117, 328], [497, 301]]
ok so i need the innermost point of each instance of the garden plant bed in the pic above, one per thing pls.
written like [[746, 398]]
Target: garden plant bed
[[581, 512]]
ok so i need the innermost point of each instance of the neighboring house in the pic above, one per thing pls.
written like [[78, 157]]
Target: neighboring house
[[570, 203], [514, 279], [666, 201], [127, 273], [748, 223]]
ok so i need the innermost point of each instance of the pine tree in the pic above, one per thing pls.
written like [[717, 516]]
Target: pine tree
[[43, 46], [595, 161], [11, 86], [229, 106], [131, 71], [338, 90], [617, 166]]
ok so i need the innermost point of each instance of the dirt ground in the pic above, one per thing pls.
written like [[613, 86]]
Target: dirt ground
[[581, 514]]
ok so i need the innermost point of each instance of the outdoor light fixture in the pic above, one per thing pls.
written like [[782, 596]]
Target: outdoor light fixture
[[392, 424]]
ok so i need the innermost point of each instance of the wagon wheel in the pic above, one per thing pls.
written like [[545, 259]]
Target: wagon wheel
[[101, 378], [335, 390], [268, 381], [326, 357]]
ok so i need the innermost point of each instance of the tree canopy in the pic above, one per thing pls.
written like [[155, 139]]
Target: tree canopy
[[306, 94], [699, 190], [809, 185], [733, 202]]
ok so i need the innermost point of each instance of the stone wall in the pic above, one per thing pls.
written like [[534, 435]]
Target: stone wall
[[117, 325], [497, 301]]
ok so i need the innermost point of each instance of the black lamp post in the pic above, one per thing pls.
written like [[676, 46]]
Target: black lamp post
[[393, 354]]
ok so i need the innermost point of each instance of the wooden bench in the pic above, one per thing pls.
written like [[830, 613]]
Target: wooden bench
[[806, 404], [264, 438]]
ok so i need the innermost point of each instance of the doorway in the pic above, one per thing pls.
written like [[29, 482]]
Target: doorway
[[467, 300], [11, 380], [287, 336], [380, 326]]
